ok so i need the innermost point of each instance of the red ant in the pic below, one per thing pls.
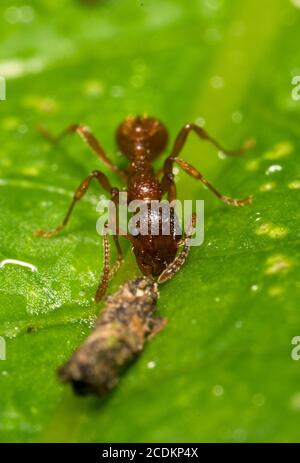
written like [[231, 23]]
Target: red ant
[[141, 139]]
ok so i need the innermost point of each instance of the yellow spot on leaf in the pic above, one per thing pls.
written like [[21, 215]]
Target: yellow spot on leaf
[[263, 229], [294, 185], [10, 123], [295, 402], [273, 231], [277, 264], [5, 162], [253, 165], [30, 171], [275, 291], [279, 151], [39, 104], [267, 187], [278, 232], [93, 88]]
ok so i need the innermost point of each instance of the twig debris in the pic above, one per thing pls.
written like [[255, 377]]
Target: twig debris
[[124, 325]]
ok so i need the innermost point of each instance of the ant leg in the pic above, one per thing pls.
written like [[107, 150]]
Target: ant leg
[[202, 134], [158, 324], [120, 258], [84, 132], [106, 269], [80, 191], [108, 273], [182, 136], [180, 259], [198, 176], [168, 184]]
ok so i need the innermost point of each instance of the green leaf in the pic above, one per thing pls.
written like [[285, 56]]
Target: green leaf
[[222, 369]]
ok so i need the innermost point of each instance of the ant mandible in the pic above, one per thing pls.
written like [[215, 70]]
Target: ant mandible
[[141, 139]]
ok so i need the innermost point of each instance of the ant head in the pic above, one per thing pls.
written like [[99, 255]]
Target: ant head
[[154, 253], [144, 131]]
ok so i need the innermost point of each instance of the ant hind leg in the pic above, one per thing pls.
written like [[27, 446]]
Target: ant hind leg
[[108, 272]]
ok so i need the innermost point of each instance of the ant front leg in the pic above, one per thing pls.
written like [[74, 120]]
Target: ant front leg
[[180, 259], [106, 269], [108, 272], [84, 132], [81, 190]]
